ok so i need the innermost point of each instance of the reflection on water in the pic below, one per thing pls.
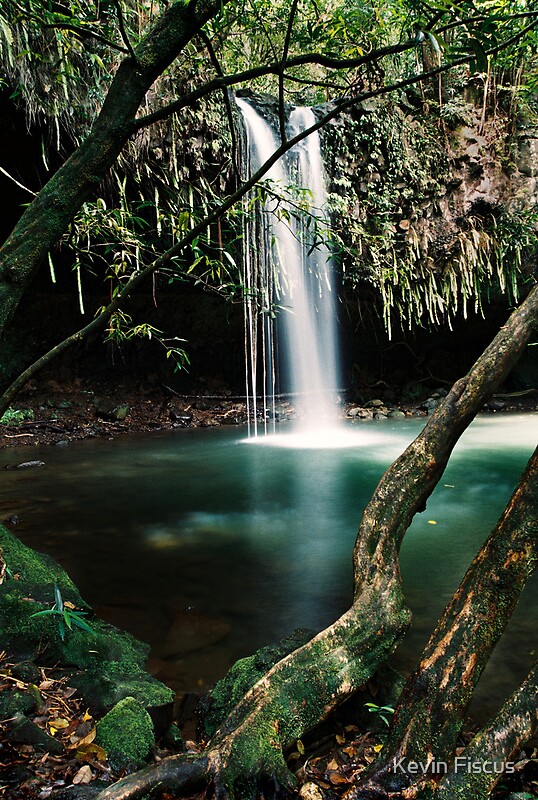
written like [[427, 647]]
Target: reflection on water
[[209, 549]]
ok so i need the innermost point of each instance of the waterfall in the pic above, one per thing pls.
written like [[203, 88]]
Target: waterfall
[[288, 276]]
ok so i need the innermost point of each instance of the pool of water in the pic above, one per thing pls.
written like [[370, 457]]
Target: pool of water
[[208, 546]]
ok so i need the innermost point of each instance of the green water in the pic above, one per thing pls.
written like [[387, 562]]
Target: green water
[[209, 547]]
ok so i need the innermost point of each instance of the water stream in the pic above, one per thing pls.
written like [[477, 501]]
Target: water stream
[[290, 267], [209, 547]]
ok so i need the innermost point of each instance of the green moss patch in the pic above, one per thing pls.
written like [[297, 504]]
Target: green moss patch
[[243, 675], [126, 733], [103, 662]]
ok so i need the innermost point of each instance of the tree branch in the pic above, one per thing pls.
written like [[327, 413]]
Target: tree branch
[[281, 74], [123, 32], [225, 96], [268, 69]]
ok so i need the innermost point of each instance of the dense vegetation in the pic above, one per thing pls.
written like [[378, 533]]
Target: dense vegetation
[[174, 187], [132, 93]]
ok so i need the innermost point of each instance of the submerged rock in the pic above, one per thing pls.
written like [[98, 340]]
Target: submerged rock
[[192, 630]]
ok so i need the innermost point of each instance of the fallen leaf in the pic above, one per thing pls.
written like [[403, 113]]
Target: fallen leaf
[[84, 775], [300, 747], [432, 522], [340, 739], [91, 752], [57, 724], [337, 779], [377, 748], [87, 716], [88, 739]]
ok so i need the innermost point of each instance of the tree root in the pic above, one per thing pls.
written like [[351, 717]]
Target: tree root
[[182, 773]]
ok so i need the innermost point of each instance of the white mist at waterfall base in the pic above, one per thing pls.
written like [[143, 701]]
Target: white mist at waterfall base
[[323, 437], [298, 281]]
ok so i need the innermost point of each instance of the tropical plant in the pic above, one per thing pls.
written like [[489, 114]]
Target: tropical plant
[[65, 615]]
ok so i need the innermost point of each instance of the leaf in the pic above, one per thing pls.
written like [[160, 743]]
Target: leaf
[[81, 623], [57, 724], [86, 740], [378, 748], [300, 747], [84, 775], [340, 739], [91, 752], [337, 779], [58, 598], [36, 694]]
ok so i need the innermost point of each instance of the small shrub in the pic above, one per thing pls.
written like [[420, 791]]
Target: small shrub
[[14, 416]]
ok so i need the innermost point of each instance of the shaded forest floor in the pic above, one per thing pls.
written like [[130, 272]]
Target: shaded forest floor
[[326, 762], [57, 414]]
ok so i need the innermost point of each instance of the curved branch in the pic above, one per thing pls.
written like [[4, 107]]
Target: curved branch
[[269, 69], [84, 33], [123, 32]]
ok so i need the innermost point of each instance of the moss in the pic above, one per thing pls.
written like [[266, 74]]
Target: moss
[[126, 733], [14, 701], [242, 676], [103, 690], [111, 662], [35, 567]]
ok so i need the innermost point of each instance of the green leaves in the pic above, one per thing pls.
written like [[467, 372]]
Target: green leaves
[[65, 615], [383, 712]]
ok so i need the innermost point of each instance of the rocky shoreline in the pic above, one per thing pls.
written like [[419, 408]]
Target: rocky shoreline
[[57, 415]]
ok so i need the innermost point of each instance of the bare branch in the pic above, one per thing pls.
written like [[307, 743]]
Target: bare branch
[[229, 113], [123, 32], [281, 74]]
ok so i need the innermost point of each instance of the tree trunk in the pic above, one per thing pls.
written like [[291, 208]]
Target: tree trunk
[[431, 710], [304, 687], [49, 215], [494, 745]]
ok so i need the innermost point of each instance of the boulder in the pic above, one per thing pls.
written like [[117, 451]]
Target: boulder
[[106, 664], [111, 410], [126, 733]]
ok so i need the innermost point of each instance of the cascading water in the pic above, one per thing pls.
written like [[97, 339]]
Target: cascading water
[[286, 268]]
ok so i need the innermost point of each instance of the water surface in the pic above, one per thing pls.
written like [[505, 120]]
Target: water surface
[[209, 547]]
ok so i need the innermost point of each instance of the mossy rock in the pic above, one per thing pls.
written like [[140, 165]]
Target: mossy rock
[[242, 676], [103, 689], [108, 663], [35, 568], [126, 733], [14, 701]]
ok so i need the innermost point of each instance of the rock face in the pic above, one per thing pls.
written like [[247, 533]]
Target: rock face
[[431, 219]]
